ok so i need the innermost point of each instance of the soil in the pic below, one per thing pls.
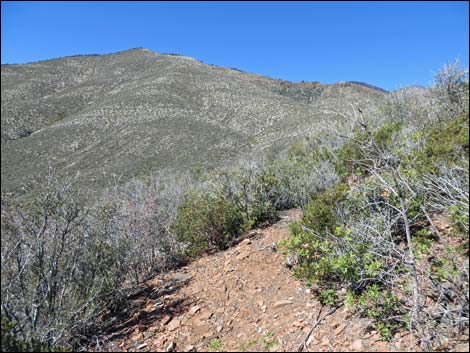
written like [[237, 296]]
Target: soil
[[242, 299]]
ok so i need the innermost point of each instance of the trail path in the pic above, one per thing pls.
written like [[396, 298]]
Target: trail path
[[241, 299]]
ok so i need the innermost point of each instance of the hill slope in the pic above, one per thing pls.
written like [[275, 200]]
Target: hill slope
[[137, 111]]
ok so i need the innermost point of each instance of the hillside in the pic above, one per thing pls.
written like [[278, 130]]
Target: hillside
[[137, 111], [369, 209], [241, 300]]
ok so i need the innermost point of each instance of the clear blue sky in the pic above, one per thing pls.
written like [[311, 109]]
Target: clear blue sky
[[390, 45]]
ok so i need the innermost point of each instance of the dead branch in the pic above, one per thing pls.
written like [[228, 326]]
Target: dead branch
[[304, 341]]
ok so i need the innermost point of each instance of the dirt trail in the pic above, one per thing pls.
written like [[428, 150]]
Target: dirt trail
[[241, 299]]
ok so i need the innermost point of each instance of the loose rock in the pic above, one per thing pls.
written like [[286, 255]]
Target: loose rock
[[282, 303]]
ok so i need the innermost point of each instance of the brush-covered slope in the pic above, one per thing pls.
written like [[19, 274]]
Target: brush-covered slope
[[137, 111]]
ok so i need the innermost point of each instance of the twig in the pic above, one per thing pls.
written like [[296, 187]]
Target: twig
[[433, 226], [304, 341]]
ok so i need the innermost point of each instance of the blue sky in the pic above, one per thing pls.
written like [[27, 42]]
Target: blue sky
[[390, 45]]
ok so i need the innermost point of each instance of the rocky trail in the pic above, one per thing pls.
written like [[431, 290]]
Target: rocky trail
[[241, 299]]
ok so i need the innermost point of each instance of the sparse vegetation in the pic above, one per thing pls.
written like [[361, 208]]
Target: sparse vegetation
[[269, 341], [369, 236], [365, 236], [244, 347], [215, 345]]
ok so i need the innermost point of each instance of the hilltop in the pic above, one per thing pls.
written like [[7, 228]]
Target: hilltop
[[138, 111]]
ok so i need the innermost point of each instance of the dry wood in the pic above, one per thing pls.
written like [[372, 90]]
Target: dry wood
[[433, 226], [304, 341]]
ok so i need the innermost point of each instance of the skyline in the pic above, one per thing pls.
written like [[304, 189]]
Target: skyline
[[389, 45]]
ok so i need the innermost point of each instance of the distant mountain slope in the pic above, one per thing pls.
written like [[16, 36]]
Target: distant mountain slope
[[137, 111]]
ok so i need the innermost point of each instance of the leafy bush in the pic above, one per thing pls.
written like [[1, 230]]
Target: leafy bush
[[365, 149], [207, 220], [444, 143], [385, 308]]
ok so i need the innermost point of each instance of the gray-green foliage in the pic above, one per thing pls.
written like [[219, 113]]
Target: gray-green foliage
[[63, 258], [55, 267], [368, 237], [228, 203]]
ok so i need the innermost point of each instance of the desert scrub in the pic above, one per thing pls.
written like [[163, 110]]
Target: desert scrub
[[206, 220], [445, 143], [357, 155], [68, 259], [55, 261]]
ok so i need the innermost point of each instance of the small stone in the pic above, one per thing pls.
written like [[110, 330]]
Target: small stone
[[243, 255], [357, 345], [462, 347], [137, 337], [143, 345], [174, 324], [219, 328], [188, 348], [170, 346], [158, 342], [325, 341], [198, 323], [195, 309], [166, 319], [282, 303], [205, 315], [150, 307], [148, 334], [339, 329], [381, 346], [245, 242], [207, 334]]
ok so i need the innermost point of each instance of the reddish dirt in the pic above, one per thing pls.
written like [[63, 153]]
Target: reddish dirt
[[243, 299]]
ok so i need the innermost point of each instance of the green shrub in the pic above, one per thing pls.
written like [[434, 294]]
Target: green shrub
[[459, 217], [383, 307], [359, 152], [444, 143], [320, 214], [206, 220], [328, 297]]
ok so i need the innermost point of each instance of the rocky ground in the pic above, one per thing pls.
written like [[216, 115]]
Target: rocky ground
[[242, 299]]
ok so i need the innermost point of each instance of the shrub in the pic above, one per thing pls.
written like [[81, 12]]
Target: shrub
[[367, 149], [55, 268], [450, 90], [62, 259], [386, 309], [206, 220], [444, 143]]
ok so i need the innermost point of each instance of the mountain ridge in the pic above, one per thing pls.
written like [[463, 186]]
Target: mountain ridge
[[137, 111]]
